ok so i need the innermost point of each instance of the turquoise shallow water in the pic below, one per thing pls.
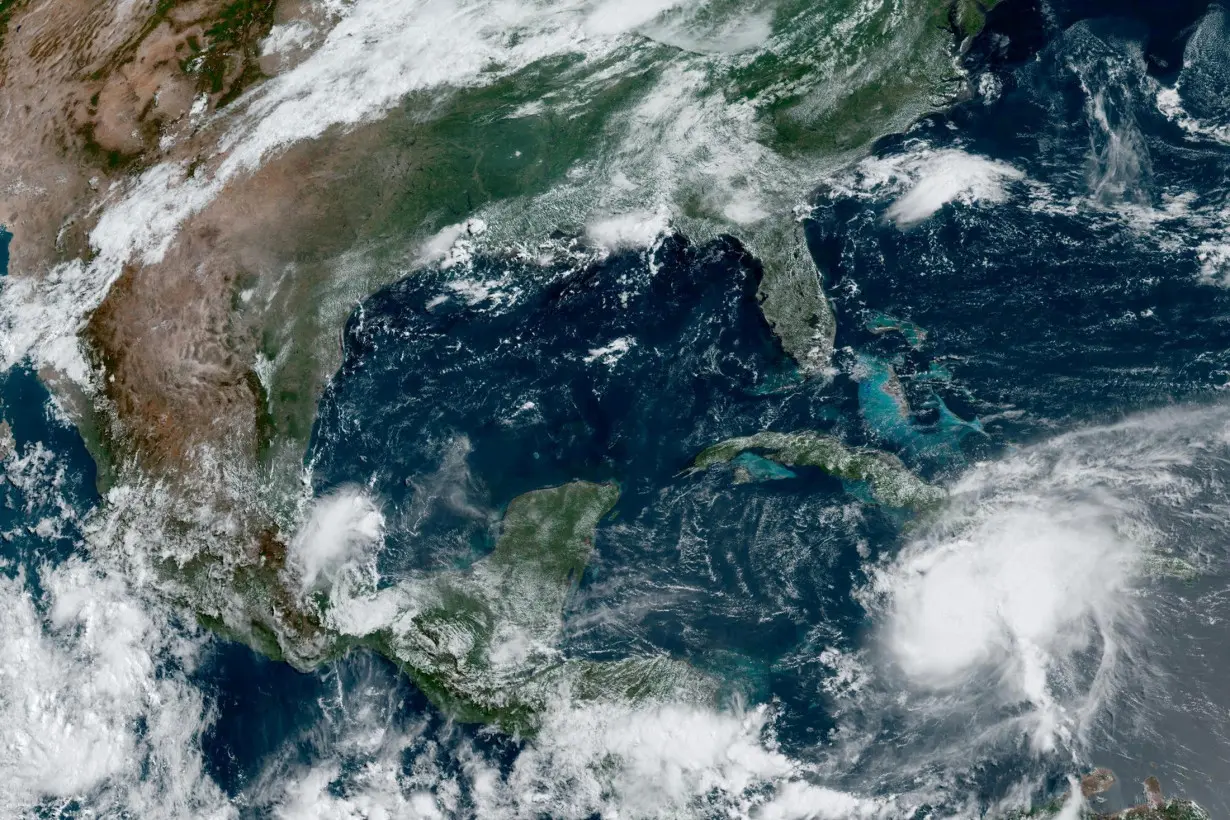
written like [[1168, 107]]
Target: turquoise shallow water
[[1057, 304], [1076, 294]]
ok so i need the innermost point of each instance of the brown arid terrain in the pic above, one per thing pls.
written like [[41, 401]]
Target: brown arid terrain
[[88, 105], [267, 272], [96, 93], [175, 399], [206, 359], [174, 342], [199, 199], [94, 90]]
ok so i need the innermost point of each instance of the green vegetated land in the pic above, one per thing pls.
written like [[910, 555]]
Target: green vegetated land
[[890, 481], [481, 643]]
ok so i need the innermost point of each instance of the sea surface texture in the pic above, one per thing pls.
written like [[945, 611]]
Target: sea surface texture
[[626, 410]]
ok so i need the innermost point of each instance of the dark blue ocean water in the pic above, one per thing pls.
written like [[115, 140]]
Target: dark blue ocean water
[[55, 451], [1053, 309], [5, 238]]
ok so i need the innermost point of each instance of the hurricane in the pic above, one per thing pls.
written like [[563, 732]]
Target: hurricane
[[662, 408]]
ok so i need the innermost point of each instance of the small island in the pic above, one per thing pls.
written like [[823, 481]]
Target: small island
[[1097, 782]]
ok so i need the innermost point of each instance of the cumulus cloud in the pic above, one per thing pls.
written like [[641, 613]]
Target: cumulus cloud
[[343, 527], [1024, 586], [925, 180], [93, 700]]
